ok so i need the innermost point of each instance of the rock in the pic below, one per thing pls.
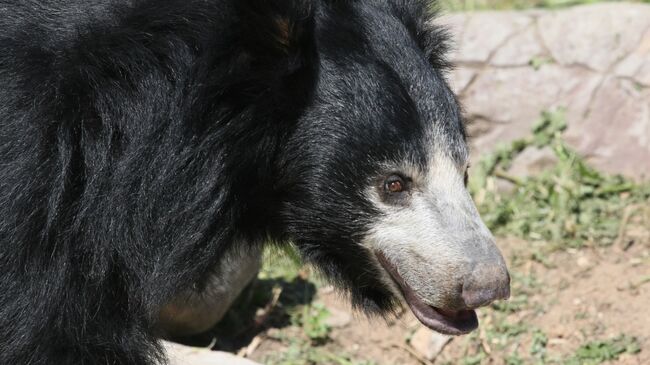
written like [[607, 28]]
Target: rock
[[532, 161], [513, 98], [596, 36], [338, 318], [485, 32], [186, 355], [520, 50], [614, 136], [583, 262], [428, 343], [637, 64], [599, 71], [461, 78]]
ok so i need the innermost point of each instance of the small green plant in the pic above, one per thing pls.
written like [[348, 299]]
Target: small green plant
[[512, 305], [474, 359], [304, 353], [538, 345], [312, 320], [597, 352], [538, 61], [570, 204], [514, 359]]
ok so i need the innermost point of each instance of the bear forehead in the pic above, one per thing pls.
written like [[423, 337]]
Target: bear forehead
[[376, 77]]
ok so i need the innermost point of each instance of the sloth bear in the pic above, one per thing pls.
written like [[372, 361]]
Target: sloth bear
[[149, 148]]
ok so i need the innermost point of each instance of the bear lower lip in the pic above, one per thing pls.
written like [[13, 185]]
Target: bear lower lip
[[461, 322], [446, 321]]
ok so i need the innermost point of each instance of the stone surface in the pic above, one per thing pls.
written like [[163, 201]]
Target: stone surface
[[596, 36], [512, 99], [485, 32], [520, 50], [615, 134], [185, 355], [428, 343], [592, 60], [637, 64], [461, 78]]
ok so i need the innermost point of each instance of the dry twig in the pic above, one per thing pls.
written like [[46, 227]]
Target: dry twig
[[248, 350], [266, 312]]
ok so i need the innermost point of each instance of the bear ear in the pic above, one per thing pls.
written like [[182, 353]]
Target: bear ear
[[276, 35]]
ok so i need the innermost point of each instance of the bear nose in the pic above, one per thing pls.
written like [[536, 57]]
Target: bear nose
[[485, 284]]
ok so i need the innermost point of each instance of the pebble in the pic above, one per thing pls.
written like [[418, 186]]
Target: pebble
[[338, 318], [429, 344]]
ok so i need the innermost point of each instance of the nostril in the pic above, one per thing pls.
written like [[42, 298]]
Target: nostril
[[485, 285], [478, 297]]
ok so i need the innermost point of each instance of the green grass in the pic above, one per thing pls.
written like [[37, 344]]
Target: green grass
[[598, 352], [507, 338], [302, 352], [569, 205], [312, 321]]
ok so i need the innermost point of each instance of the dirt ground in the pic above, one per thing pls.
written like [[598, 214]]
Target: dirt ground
[[560, 302]]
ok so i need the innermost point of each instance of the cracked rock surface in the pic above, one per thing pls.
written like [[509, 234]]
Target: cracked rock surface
[[593, 60]]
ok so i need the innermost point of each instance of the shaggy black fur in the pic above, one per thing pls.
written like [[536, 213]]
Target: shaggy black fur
[[140, 138]]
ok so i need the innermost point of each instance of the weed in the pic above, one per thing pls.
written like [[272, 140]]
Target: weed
[[570, 204], [512, 305], [597, 352], [538, 61], [514, 359], [312, 319], [538, 345], [303, 353], [511, 329], [474, 359]]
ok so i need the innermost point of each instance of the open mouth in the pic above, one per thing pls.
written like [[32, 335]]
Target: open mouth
[[450, 322]]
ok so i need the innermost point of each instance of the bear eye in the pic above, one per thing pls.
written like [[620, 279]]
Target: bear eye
[[466, 178], [394, 184]]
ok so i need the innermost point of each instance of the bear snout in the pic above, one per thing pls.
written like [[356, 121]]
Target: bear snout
[[486, 283]]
